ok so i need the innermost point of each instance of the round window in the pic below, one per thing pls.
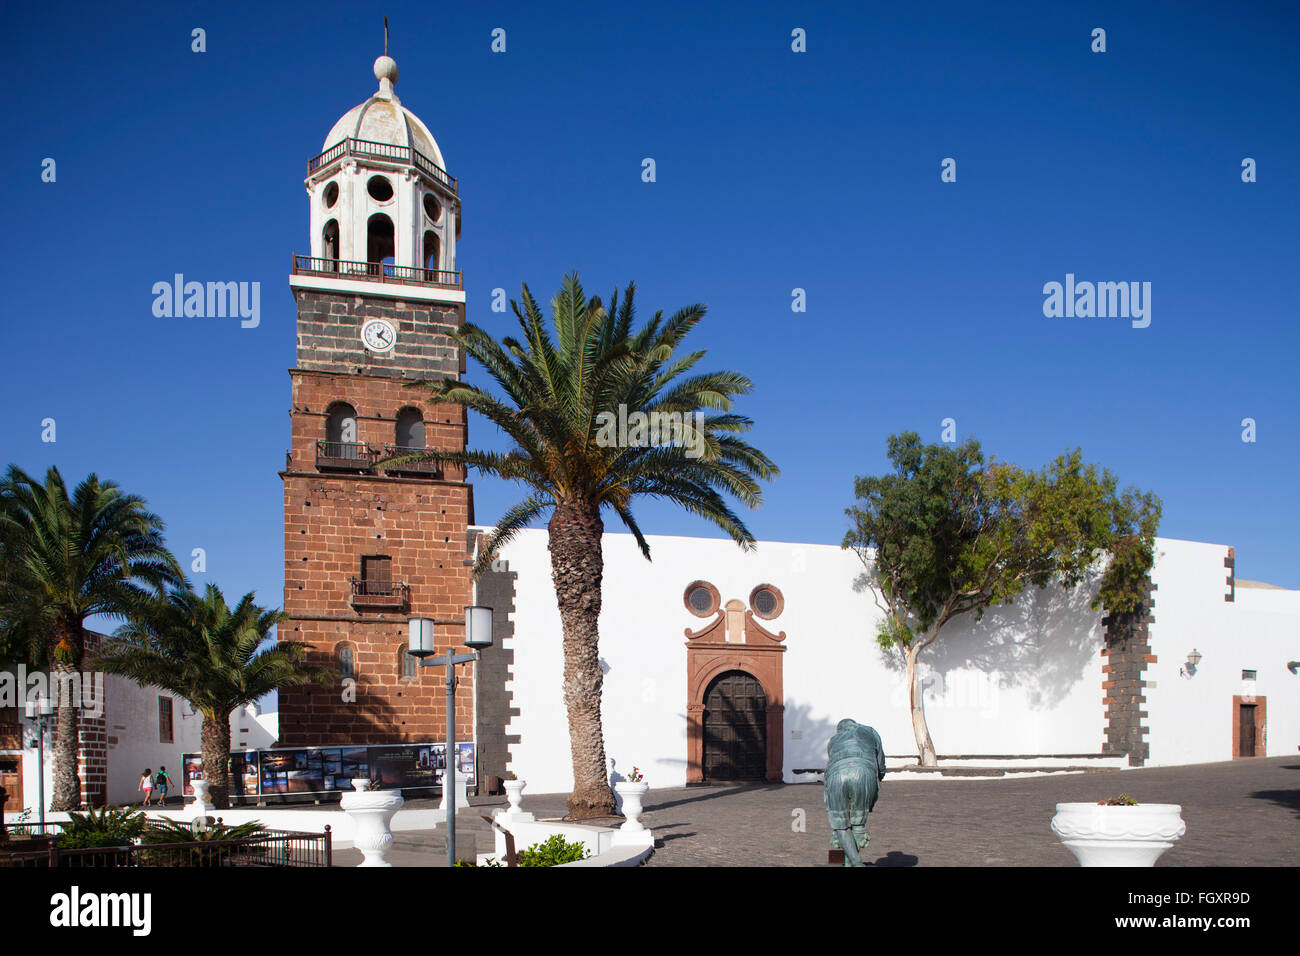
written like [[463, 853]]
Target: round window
[[702, 599], [380, 189], [331, 195], [766, 601], [431, 207]]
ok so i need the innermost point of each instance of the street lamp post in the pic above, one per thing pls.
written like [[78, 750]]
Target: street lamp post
[[40, 711], [478, 634]]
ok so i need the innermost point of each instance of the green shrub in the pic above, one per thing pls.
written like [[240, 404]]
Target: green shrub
[[111, 826], [174, 831], [552, 852], [199, 853], [1123, 800]]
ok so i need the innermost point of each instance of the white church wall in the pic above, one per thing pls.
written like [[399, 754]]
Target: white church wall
[[1025, 680]]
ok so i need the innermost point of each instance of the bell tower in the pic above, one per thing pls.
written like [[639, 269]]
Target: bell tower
[[380, 193], [369, 545]]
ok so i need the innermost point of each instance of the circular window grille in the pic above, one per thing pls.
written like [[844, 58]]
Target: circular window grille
[[701, 600], [766, 601]]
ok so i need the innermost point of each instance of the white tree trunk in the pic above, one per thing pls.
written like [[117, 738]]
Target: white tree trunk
[[916, 701]]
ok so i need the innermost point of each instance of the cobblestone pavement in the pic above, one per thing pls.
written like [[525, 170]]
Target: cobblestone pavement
[[1243, 812]]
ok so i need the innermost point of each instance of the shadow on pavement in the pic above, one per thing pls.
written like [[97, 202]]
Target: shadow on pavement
[[897, 858]]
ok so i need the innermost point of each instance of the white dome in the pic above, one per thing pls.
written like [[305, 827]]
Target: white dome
[[383, 119]]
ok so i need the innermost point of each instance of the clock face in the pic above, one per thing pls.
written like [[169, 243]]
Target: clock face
[[378, 335]]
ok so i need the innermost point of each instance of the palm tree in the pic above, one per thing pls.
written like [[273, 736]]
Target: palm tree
[[66, 558], [213, 656], [563, 398]]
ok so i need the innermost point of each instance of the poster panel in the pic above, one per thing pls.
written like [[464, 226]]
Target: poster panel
[[191, 769]]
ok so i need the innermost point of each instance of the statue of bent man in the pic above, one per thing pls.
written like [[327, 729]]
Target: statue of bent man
[[854, 769]]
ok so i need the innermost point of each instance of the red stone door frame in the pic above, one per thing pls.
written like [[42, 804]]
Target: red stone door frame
[[708, 655], [1261, 726]]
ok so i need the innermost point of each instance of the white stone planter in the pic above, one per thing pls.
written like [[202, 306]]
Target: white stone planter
[[1100, 835], [200, 807], [371, 812], [630, 795], [514, 793]]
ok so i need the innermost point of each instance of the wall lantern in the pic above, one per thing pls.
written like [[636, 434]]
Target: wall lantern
[[1193, 659], [421, 642], [478, 626]]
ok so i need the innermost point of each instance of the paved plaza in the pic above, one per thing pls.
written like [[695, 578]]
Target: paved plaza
[[1237, 813]]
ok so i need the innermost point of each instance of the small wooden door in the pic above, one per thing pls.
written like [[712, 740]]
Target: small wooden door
[[11, 778], [1246, 744], [735, 728]]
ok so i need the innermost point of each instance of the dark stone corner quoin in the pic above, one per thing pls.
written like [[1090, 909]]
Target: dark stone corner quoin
[[1127, 650]]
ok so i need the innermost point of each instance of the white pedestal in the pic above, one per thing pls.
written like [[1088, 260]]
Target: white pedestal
[[462, 794]]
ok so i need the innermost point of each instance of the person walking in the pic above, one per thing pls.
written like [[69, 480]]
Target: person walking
[[146, 784], [162, 783]]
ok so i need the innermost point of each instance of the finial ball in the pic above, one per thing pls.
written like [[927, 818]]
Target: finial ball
[[386, 68]]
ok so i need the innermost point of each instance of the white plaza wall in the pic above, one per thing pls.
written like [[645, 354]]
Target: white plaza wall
[[1190, 716]]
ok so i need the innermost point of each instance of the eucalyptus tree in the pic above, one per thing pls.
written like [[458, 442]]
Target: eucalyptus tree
[[67, 557], [569, 391], [216, 657], [949, 532]]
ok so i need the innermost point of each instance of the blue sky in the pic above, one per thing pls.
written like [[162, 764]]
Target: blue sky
[[775, 171]]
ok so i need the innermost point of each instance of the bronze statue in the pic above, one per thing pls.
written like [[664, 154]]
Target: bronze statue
[[854, 769]]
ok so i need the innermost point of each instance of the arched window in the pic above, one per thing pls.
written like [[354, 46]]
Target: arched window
[[409, 432], [431, 247], [345, 656], [381, 244], [341, 423], [330, 240], [341, 432]]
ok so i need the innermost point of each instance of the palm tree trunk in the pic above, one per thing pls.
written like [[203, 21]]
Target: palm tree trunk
[[65, 657], [215, 737], [916, 700], [577, 566]]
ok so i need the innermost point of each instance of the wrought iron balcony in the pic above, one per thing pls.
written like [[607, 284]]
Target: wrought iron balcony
[[344, 455], [375, 272], [430, 469], [385, 152], [381, 594]]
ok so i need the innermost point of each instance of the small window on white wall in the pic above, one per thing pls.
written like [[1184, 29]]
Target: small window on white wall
[[165, 731]]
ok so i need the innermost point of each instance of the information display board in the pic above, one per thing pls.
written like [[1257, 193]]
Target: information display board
[[316, 771]]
